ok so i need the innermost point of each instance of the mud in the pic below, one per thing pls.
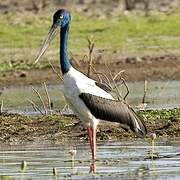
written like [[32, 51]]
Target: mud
[[162, 67], [18, 129]]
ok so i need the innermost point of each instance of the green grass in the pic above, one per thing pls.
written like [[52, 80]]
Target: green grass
[[131, 34], [163, 114]]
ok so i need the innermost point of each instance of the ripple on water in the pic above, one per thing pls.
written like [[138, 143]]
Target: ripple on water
[[116, 160]]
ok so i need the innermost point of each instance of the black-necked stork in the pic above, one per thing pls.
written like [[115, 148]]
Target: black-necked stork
[[88, 98]]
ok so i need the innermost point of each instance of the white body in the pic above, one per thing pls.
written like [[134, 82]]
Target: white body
[[75, 83]]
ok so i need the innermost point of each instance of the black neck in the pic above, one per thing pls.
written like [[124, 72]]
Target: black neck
[[64, 60]]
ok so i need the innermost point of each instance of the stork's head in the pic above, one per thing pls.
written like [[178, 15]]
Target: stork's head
[[61, 18]]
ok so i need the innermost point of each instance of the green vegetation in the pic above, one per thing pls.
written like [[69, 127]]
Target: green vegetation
[[163, 114], [22, 35], [6, 66]]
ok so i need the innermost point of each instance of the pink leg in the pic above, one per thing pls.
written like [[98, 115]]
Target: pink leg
[[90, 136], [92, 139], [93, 144]]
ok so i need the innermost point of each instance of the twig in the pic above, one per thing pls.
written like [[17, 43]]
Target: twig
[[48, 98], [118, 74], [127, 89], [65, 106], [145, 90], [95, 72], [40, 98], [74, 59], [35, 107], [84, 57], [107, 81], [1, 107], [123, 80], [90, 59], [59, 76], [115, 85]]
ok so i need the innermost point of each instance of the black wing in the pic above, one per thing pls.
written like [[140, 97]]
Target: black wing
[[103, 86], [115, 111]]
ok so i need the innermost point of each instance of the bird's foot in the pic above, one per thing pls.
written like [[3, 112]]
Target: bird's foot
[[93, 167]]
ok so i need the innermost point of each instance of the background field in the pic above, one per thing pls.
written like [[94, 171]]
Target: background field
[[139, 37]]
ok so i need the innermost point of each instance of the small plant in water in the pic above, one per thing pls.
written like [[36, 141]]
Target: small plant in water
[[153, 154], [55, 173], [23, 169], [4, 177], [72, 152]]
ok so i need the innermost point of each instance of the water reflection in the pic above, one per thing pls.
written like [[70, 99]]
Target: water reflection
[[115, 160]]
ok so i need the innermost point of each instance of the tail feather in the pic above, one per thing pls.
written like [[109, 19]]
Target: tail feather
[[138, 125]]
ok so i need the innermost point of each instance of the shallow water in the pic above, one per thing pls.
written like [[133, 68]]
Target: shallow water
[[160, 94], [115, 160]]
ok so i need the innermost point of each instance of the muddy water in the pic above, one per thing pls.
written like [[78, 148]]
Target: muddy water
[[160, 94], [116, 160]]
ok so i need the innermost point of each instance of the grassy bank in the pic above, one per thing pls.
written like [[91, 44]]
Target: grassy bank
[[22, 34]]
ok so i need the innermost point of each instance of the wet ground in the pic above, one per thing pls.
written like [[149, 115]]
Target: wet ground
[[18, 129], [115, 160]]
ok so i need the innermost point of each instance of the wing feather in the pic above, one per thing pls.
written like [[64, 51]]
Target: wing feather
[[114, 111], [103, 86]]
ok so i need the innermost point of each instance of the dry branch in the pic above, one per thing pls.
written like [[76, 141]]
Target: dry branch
[[90, 59], [145, 90], [40, 98], [1, 107], [48, 98], [118, 74], [114, 84], [35, 107], [106, 80], [54, 70], [123, 81], [127, 89]]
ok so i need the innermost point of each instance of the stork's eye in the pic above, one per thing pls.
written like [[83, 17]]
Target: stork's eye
[[61, 17]]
